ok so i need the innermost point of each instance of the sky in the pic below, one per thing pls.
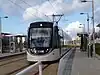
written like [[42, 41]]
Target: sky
[[22, 12]]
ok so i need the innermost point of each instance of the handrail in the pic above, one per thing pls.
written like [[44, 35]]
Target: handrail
[[30, 68]]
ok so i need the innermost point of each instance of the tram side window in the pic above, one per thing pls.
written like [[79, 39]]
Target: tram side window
[[56, 43]]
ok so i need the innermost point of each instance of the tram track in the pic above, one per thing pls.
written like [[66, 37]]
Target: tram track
[[35, 70], [9, 58], [11, 61], [44, 67], [17, 70], [13, 65], [12, 68], [10, 65], [52, 69], [3, 56], [18, 63]]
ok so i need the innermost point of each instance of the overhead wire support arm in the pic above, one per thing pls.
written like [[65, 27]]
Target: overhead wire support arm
[[58, 15]]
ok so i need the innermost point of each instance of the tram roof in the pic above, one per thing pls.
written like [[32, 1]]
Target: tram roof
[[44, 24]]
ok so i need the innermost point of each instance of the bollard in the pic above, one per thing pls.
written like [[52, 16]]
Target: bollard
[[40, 69]]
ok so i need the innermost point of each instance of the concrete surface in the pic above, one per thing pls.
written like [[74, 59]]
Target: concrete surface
[[82, 65]]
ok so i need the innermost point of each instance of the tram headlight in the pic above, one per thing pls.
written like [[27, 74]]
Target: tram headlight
[[34, 50], [47, 50], [31, 50]]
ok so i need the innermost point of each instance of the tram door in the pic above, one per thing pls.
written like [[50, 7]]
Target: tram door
[[12, 47]]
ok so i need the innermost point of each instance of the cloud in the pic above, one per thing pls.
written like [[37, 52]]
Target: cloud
[[56, 7], [97, 29], [28, 15], [44, 7], [74, 28], [27, 7], [7, 6], [97, 15], [10, 6], [97, 11]]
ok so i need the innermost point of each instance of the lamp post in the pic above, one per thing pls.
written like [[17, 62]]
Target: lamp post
[[93, 24], [1, 33]]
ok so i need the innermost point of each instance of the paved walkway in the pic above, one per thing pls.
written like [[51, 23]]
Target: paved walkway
[[82, 65]]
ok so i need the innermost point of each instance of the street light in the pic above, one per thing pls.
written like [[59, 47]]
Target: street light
[[93, 23], [1, 33]]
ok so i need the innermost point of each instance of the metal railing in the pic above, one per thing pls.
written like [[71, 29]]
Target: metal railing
[[28, 70]]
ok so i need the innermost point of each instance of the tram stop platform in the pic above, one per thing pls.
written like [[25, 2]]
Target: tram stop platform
[[3, 55], [78, 63]]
